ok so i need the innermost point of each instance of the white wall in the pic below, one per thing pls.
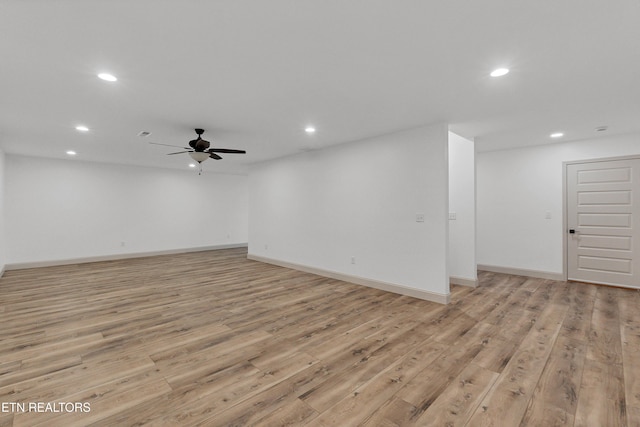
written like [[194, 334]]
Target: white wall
[[69, 209], [462, 202], [3, 240], [321, 208], [516, 188]]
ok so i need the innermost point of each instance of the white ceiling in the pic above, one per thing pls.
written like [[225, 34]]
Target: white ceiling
[[253, 73]]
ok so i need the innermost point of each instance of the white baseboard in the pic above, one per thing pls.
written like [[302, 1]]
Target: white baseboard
[[522, 272], [115, 257], [463, 281], [383, 286]]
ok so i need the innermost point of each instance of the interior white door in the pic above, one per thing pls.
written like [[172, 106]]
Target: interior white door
[[603, 222]]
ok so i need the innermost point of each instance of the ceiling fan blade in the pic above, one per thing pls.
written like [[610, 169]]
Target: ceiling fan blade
[[168, 145], [215, 156], [225, 150], [179, 152]]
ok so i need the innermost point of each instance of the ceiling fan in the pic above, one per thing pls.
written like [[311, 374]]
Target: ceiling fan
[[199, 149]]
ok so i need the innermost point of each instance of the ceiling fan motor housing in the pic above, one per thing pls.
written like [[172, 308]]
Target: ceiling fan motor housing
[[199, 144]]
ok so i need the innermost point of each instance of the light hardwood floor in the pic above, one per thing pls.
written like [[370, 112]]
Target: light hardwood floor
[[214, 339]]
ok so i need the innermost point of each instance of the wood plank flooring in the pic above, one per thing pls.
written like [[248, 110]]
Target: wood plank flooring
[[214, 339]]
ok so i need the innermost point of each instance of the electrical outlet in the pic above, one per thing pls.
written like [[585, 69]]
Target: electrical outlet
[[452, 215], [419, 217]]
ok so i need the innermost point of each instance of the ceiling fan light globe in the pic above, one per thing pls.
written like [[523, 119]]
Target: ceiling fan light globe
[[199, 156]]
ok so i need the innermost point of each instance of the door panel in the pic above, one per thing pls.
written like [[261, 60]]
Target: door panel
[[604, 220], [605, 242], [597, 176], [599, 198], [602, 209], [604, 264]]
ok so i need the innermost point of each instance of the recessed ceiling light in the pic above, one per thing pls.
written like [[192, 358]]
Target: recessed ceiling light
[[71, 153], [192, 165], [557, 135], [310, 129], [82, 128], [108, 77], [499, 72]]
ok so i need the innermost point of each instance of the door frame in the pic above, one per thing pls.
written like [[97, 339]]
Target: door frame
[[565, 228]]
